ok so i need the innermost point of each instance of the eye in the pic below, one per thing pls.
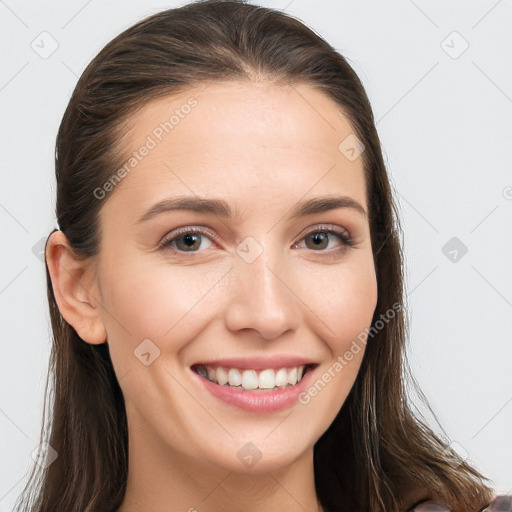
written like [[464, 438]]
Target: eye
[[188, 239], [184, 240], [320, 237]]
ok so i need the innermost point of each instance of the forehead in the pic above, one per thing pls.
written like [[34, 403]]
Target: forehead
[[229, 138]]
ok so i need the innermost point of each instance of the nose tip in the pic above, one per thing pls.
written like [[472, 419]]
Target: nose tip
[[262, 300]]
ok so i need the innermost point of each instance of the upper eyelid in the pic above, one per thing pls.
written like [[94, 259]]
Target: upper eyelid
[[327, 227], [188, 229]]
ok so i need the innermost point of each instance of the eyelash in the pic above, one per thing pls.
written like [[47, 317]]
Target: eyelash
[[339, 233]]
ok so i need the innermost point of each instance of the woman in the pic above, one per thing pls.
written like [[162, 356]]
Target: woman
[[263, 370]]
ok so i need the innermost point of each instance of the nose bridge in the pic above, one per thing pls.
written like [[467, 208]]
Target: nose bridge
[[262, 299]]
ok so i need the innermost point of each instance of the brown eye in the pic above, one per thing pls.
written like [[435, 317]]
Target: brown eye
[[185, 240], [319, 239], [188, 241]]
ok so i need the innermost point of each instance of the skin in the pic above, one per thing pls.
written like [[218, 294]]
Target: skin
[[261, 147]]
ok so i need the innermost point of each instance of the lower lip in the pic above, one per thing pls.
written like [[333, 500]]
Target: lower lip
[[257, 401]]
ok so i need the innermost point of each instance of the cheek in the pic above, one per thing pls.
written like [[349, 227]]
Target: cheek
[[158, 302], [344, 300], [358, 303]]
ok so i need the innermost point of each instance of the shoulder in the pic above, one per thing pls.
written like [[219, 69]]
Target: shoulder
[[501, 503]]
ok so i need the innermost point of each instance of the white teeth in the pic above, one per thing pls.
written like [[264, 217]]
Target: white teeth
[[292, 376], [221, 376], [251, 379], [281, 377], [235, 378], [211, 373], [266, 379]]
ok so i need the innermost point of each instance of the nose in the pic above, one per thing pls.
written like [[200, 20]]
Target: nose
[[262, 297]]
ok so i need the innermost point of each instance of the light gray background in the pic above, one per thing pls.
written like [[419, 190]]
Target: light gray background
[[445, 120]]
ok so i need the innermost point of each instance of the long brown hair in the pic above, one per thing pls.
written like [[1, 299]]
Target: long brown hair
[[379, 453]]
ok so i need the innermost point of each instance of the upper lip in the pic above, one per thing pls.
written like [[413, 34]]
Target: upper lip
[[258, 363]]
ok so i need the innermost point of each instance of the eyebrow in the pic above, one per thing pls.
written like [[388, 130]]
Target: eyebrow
[[221, 208]]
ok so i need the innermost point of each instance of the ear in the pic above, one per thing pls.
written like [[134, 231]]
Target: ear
[[75, 288]]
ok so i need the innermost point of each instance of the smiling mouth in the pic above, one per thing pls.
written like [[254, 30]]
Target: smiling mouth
[[254, 380]]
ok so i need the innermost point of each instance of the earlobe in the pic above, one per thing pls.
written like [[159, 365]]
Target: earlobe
[[75, 289]]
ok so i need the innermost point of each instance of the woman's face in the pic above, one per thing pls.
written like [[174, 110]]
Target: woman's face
[[244, 286]]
